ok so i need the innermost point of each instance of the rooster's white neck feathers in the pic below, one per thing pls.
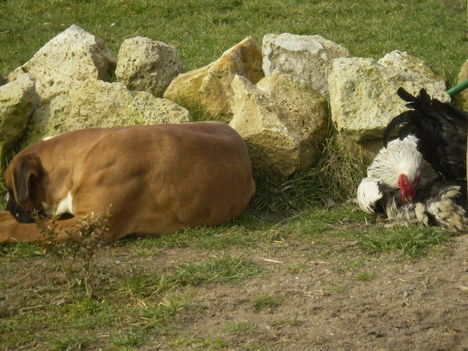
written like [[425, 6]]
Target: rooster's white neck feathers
[[399, 157]]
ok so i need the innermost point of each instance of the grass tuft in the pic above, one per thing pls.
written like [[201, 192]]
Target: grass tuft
[[155, 316], [266, 302], [240, 328], [413, 242], [71, 343], [3, 192], [365, 276], [215, 270], [332, 180], [341, 168]]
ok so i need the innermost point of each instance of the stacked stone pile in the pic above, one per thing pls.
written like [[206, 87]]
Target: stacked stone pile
[[280, 97]]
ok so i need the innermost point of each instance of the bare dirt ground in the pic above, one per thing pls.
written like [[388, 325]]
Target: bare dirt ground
[[419, 305], [324, 298]]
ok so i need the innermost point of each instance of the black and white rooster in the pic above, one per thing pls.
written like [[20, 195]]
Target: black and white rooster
[[420, 176]]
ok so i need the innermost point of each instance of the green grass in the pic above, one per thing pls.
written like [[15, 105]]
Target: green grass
[[344, 221], [240, 328], [266, 302], [199, 344], [215, 270], [203, 29], [365, 276], [148, 302], [70, 343], [413, 242]]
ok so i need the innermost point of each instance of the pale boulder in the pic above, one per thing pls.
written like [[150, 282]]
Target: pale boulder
[[461, 99], [209, 88], [147, 65], [73, 54], [273, 147], [18, 100], [401, 61], [363, 95], [306, 57], [94, 103], [303, 109], [281, 120]]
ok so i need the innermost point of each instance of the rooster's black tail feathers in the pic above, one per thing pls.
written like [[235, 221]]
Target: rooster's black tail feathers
[[441, 130]]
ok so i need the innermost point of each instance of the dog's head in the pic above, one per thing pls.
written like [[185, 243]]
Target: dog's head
[[23, 178]]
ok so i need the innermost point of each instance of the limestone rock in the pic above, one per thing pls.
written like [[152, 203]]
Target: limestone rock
[[18, 100], [306, 57], [272, 146], [281, 121], [303, 109], [363, 95], [461, 99], [94, 103], [401, 61], [72, 54], [209, 88], [147, 65]]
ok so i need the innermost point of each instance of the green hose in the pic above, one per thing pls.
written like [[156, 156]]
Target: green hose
[[458, 88]]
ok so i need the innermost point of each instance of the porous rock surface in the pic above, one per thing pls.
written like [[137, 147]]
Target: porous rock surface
[[209, 88], [462, 98], [73, 54], [18, 100], [363, 95], [306, 57], [147, 65], [281, 121], [94, 103]]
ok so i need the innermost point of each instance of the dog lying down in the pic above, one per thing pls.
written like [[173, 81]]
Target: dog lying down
[[152, 179]]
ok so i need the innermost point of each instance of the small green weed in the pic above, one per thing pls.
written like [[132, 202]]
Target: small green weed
[[146, 285], [199, 344], [296, 268], [155, 317], [130, 339], [240, 328], [365, 277], [71, 343], [19, 251], [355, 264], [215, 270], [266, 302]]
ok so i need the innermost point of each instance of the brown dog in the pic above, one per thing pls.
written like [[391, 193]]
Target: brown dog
[[155, 179]]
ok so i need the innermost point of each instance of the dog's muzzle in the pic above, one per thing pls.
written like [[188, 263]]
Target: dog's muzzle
[[20, 214]]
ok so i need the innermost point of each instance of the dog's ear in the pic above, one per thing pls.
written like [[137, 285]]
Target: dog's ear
[[28, 170]]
